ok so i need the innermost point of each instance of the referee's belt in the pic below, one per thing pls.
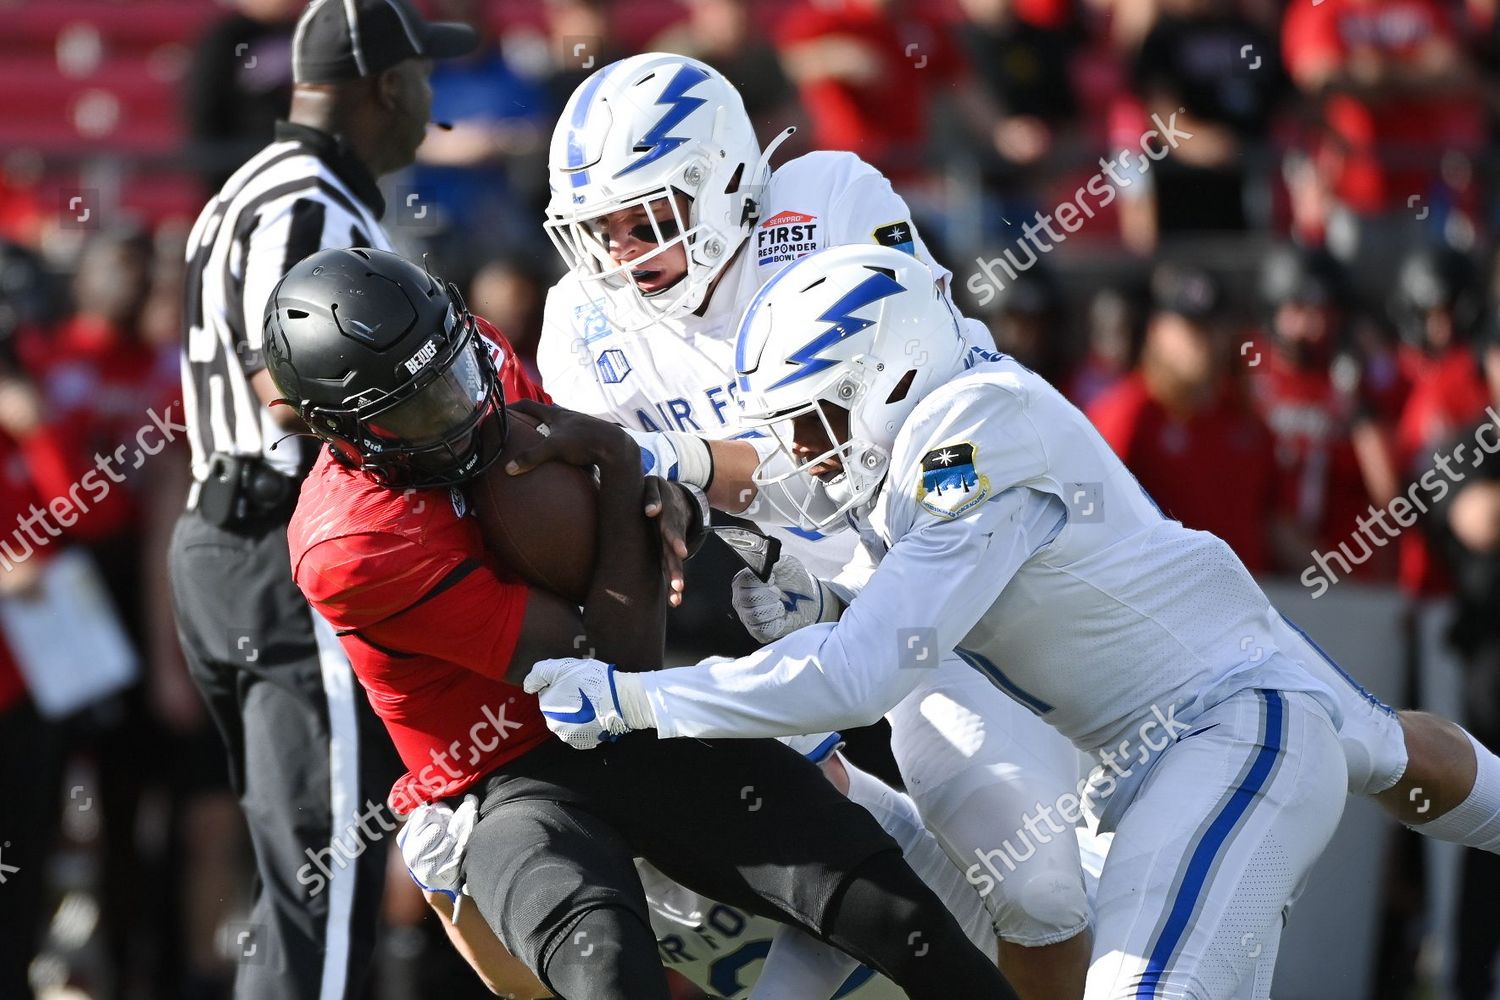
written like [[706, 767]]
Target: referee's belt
[[242, 491]]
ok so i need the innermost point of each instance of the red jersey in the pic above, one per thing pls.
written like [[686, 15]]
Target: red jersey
[[51, 493], [1215, 471], [104, 386], [1448, 394], [92, 370], [1320, 486], [428, 618]]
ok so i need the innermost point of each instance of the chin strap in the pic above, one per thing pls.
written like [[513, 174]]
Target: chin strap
[[750, 209]]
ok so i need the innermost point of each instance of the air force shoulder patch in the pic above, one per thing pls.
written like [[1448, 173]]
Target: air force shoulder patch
[[896, 234], [950, 483]]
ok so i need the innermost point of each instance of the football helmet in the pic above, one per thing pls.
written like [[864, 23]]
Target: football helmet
[[640, 131], [860, 327], [383, 361], [1442, 280]]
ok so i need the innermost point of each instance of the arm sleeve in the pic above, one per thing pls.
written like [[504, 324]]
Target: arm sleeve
[[855, 574], [925, 596], [951, 554]]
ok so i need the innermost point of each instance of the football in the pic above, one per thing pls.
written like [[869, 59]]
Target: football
[[541, 523]]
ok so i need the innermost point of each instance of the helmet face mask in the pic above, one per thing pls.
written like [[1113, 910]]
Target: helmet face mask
[[819, 500], [435, 429], [584, 244], [414, 406]]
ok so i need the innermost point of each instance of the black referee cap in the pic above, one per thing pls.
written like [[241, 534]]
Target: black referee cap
[[349, 39]]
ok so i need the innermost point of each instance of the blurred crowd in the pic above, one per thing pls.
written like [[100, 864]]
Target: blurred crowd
[[1283, 323]]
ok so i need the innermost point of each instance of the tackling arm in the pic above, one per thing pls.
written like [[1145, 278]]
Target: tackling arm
[[924, 597]]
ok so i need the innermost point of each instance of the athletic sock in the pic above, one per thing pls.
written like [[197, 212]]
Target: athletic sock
[[1474, 822]]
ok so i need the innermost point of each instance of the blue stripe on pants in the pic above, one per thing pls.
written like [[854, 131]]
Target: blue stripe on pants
[[1214, 838]]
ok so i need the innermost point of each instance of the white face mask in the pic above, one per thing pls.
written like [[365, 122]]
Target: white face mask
[[817, 503], [584, 247]]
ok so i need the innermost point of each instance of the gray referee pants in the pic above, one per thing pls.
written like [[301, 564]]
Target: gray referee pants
[[307, 756]]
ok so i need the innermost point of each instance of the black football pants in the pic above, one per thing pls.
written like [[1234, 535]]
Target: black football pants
[[748, 823]]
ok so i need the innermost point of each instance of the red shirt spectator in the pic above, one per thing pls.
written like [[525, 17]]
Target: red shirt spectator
[[51, 492], [1391, 50], [1214, 470], [1320, 486], [1448, 394], [97, 374], [866, 70], [382, 565]]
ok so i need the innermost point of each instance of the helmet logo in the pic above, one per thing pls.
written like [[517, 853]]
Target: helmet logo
[[426, 354], [843, 324], [656, 143]]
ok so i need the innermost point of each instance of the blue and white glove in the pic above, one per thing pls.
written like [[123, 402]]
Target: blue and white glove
[[433, 842], [791, 599], [586, 702]]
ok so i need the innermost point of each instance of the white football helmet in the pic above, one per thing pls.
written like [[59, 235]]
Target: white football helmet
[[634, 133], [861, 327]]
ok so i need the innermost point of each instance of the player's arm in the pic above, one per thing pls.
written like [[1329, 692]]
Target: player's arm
[[951, 555], [924, 597], [467, 614], [587, 441]]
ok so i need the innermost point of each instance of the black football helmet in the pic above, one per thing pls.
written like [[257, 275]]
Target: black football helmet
[[1302, 276], [1436, 279], [384, 363]]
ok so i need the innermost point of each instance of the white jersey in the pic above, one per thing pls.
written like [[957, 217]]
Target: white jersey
[[723, 949], [678, 373], [1010, 532]]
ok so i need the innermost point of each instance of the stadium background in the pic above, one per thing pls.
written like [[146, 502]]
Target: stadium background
[[1284, 321]]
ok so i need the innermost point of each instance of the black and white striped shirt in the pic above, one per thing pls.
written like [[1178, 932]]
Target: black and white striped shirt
[[303, 193]]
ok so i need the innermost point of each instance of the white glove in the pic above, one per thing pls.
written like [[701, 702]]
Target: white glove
[[433, 842], [581, 701], [791, 599]]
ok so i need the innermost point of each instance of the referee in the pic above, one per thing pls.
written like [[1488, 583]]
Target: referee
[[307, 756]]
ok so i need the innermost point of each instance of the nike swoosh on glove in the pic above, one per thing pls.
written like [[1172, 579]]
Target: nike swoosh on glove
[[433, 842], [579, 701]]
